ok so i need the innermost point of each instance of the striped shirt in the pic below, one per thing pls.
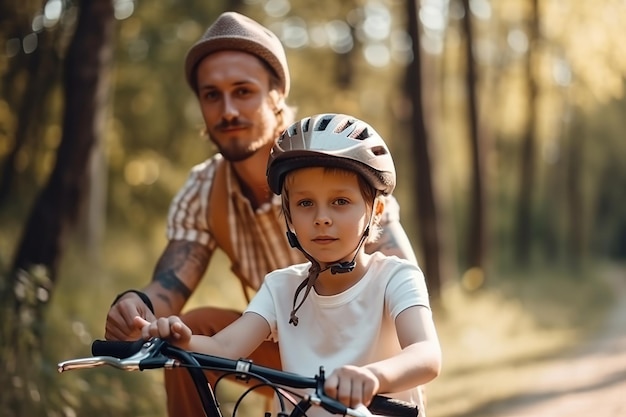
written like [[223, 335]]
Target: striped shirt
[[258, 236]]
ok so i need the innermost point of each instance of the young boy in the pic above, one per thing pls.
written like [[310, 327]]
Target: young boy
[[365, 318]]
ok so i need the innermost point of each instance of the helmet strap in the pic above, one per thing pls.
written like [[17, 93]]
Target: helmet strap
[[308, 282]]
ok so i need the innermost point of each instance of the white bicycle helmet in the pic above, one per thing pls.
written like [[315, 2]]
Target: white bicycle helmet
[[332, 140]]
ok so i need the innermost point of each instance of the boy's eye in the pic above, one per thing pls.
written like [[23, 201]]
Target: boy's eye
[[243, 91], [305, 203], [342, 201]]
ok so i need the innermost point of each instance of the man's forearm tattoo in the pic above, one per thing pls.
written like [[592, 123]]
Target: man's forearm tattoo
[[182, 264], [170, 281]]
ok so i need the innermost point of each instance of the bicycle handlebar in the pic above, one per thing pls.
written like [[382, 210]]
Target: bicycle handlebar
[[156, 353]]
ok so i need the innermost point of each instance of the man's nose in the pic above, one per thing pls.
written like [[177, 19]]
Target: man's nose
[[230, 111]]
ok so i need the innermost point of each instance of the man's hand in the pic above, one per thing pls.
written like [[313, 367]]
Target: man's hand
[[120, 323]]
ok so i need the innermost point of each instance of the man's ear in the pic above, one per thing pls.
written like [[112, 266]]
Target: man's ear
[[278, 101]]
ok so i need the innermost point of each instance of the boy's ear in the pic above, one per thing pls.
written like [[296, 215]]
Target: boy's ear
[[379, 207]]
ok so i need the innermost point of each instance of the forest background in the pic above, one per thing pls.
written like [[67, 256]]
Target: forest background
[[506, 124]]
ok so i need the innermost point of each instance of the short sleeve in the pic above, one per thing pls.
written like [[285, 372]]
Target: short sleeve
[[262, 304], [406, 288], [188, 213]]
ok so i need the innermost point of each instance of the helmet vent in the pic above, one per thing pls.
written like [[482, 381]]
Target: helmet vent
[[293, 130], [379, 150], [305, 128], [323, 123], [344, 125], [360, 133]]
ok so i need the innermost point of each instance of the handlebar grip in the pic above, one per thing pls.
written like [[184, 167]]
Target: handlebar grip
[[392, 407], [117, 349]]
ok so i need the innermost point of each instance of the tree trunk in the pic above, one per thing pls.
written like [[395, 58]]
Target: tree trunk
[[31, 282], [576, 224], [425, 196], [477, 231], [86, 80], [28, 288], [523, 224]]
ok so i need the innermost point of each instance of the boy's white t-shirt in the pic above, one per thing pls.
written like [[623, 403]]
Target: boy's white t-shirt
[[355, 327]]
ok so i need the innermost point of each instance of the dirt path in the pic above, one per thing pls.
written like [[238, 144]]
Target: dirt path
[[588, 382]]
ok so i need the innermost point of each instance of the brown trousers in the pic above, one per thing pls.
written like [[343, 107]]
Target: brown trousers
[[182, 397]]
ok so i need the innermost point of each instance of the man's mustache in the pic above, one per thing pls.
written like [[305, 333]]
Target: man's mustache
[[229, 124]]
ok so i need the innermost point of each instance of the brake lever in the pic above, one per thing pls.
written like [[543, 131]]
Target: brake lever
[[132, 363]]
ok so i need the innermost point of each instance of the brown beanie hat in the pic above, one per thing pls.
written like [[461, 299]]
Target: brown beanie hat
[[233, 31]]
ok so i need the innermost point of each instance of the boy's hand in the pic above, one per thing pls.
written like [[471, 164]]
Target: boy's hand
[[169, 328], [352, 385]]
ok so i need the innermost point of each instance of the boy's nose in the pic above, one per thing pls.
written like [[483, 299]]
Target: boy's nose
[[323, 220]]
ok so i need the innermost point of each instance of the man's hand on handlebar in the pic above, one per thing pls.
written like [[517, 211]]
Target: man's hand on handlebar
[[120, 324]]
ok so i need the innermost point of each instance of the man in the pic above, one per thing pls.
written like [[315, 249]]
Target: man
[[239, 72]]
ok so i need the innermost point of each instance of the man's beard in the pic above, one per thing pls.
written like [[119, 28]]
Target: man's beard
[[234, 150], [236, 153]]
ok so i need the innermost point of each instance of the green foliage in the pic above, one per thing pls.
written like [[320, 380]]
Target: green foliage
[[24, 374], [32, 345]]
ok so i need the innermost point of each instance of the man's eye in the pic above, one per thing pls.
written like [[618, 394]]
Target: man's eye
[[211, 95]]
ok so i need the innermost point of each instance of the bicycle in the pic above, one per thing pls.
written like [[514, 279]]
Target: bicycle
[[156, 353]]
